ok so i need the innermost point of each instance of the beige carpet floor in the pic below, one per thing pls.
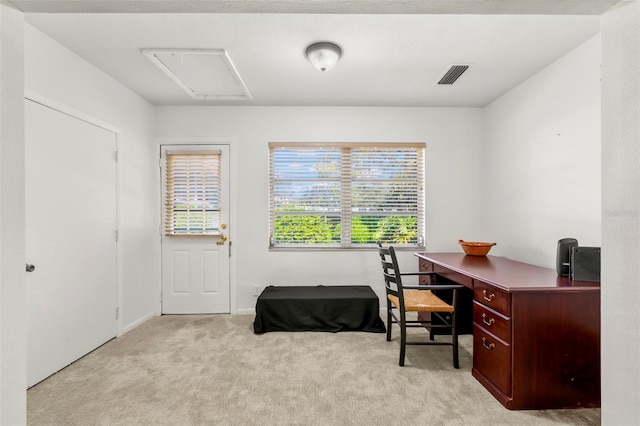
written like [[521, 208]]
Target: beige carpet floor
[[212, 370]]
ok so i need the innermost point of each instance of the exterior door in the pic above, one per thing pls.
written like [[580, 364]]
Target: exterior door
[[70, 238], [195, 249]]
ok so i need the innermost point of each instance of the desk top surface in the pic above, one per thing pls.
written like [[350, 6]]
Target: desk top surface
[[508, 274]]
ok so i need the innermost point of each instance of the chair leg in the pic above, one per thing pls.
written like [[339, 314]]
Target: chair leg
[[456, 362], [403, 341], [389, 323], [454, 340]]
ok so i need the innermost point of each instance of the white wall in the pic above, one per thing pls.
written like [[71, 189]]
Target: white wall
[[542, 160], [13, 377], [454, 141], [55, 73], [621, 215]]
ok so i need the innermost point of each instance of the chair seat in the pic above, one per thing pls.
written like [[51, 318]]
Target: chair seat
[[421, 301]]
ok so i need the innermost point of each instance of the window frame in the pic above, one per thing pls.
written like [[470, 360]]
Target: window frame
[[346, 214]]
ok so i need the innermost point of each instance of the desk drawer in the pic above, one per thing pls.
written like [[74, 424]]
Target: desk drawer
[[492, 358], [492, 321], [490, 296], [425, 265]]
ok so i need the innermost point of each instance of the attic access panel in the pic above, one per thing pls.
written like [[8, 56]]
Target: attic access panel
[[205, 74]]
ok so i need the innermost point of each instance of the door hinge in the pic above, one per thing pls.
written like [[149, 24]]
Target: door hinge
[[117, 312], [117, 234], [117, 155]]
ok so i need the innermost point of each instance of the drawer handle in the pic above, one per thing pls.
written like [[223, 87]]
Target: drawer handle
[[488, 298], [489, 321], [489, 346]]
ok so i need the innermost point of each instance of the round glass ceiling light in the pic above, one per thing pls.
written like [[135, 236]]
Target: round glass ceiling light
[[323, 55]]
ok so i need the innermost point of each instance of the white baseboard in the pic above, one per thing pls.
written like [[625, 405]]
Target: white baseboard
[[136, 323]]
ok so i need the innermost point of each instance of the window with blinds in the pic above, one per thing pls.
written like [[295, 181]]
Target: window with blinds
[[346, 195], [192, 193]]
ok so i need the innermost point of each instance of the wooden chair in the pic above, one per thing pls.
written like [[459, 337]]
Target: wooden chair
[[417, 298]]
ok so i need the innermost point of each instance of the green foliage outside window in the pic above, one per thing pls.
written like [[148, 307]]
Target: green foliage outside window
[[397, 230], [364, 230], [305, 229]]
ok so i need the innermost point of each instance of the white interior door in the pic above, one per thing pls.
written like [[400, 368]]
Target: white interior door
[[70, 238], [195, 268]]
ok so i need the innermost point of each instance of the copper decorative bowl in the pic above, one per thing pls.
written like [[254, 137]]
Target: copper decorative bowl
[[476, 248]]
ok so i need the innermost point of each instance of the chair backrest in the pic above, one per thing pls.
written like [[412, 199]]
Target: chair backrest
[[390, 270]]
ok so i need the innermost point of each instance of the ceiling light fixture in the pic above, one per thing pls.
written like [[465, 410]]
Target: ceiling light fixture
[[323, 55]]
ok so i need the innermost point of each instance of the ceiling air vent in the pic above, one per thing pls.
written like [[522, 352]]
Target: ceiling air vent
[[453, 74]]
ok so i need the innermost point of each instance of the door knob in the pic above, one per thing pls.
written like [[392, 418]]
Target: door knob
[[30, 268]]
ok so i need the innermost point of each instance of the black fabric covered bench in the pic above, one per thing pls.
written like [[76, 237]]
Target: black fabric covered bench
[[319, 308]]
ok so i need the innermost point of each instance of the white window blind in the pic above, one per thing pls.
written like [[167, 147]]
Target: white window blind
[[346, 195], [192, 193]]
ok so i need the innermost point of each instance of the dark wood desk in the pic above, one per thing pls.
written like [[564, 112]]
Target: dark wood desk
[[536, 336]]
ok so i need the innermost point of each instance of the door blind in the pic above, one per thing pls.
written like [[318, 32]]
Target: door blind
[[192, 193]]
